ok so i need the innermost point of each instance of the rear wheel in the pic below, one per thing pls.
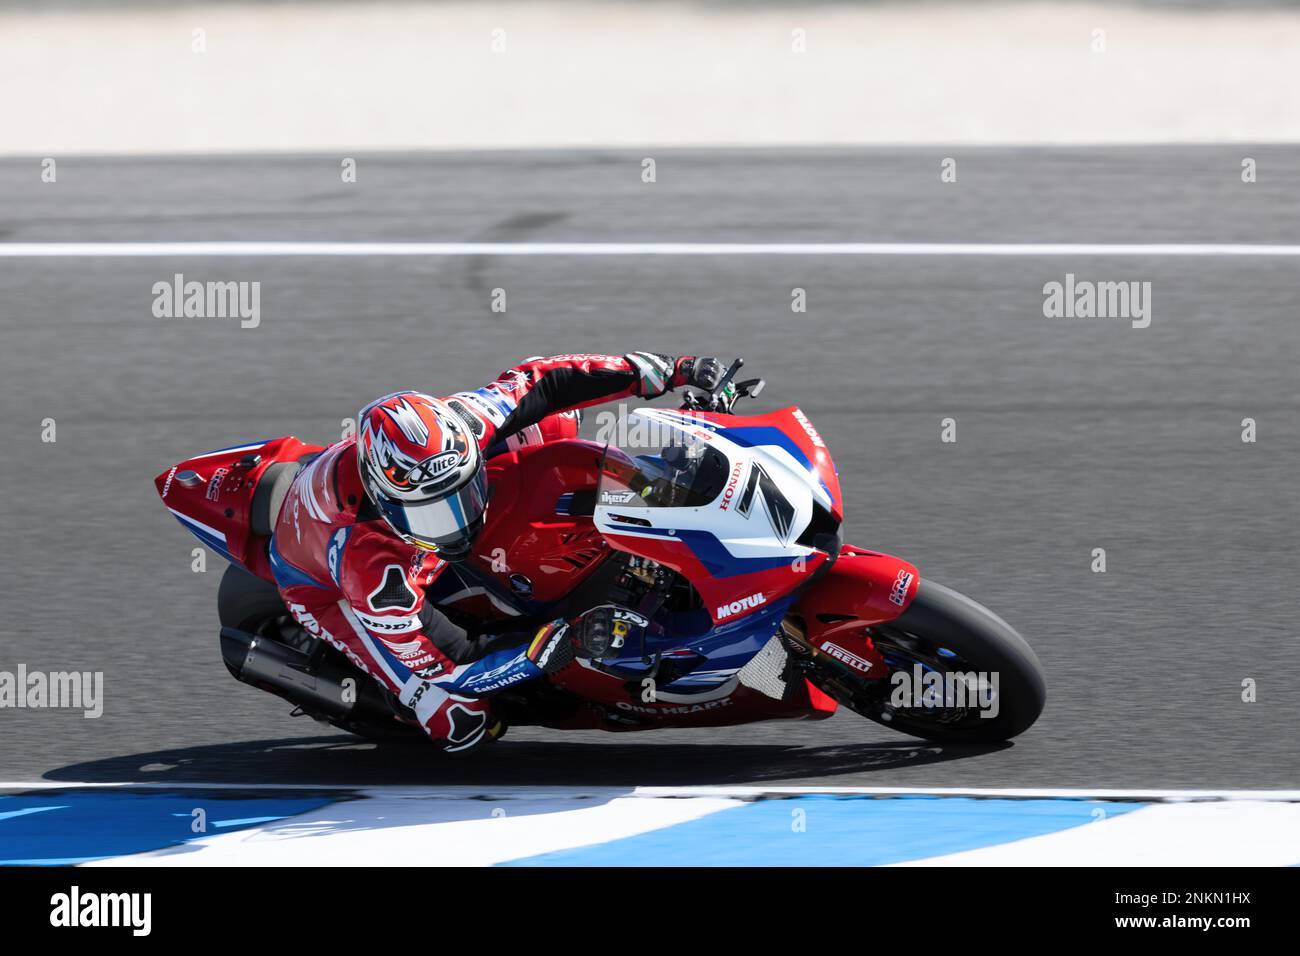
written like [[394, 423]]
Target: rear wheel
[[246, 601], [979, 682]]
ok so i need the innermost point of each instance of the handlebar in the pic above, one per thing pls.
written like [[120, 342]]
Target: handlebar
[[718, 399], [724, 382]]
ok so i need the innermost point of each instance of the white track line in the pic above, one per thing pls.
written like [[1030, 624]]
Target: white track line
[[173, 249], [428, 830], [723, 792]]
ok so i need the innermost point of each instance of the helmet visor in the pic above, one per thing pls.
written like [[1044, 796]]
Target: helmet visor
[[448, 524]]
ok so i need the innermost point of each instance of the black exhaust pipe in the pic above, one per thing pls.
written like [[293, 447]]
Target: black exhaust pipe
[[318, 686]]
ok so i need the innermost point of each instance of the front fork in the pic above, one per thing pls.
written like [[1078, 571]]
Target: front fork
[[849, 652]]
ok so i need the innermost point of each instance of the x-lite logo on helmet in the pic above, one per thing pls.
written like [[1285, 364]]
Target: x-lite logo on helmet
[[415, 446], [431, 469]]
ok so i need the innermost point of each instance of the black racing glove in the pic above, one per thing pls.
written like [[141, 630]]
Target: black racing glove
[[605, 628], [703, 372]]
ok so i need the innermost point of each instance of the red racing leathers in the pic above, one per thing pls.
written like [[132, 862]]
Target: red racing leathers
[[349, 580]]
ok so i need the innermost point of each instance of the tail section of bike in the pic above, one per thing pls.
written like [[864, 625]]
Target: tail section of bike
[[225, 498]]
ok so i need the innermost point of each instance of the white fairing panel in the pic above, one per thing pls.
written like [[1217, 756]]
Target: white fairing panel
[[756, 501]]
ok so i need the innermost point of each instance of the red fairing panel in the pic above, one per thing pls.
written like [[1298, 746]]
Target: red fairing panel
[[867, 585], [524, 535], [862, 588]]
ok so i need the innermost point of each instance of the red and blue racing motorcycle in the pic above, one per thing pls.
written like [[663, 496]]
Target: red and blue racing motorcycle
[[716, 536]]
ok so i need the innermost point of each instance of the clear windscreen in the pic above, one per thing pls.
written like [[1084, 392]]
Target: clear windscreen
[[683, 472]]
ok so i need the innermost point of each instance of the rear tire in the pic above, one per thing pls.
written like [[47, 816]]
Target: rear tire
[[946, 631], [246, 601]]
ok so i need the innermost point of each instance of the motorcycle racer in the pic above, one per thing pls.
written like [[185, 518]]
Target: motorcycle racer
[[370, 523]]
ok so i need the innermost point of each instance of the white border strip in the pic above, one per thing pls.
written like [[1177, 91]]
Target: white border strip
[[734, 792], [170, 249], [758, 793]]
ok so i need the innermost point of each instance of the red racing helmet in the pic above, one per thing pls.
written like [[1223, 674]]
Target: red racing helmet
[[420, 465]]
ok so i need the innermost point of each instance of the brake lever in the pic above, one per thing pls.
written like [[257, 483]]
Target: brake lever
[[715, 393]]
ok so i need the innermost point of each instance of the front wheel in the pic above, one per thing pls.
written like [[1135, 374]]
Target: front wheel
[[958, 673]]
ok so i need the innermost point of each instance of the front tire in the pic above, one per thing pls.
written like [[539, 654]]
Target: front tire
[[946, 632]]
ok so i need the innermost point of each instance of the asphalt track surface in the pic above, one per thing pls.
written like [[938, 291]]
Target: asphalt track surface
[[1072, 434]]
